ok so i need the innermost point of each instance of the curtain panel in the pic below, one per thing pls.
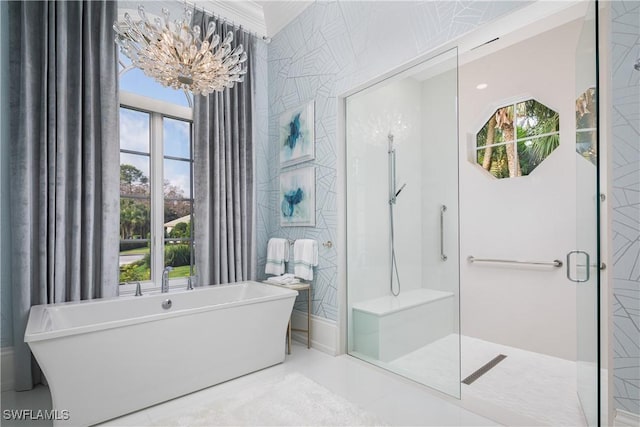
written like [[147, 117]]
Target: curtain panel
[[224, 191], [64, 165]]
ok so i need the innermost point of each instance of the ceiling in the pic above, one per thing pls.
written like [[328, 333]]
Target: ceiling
[[277, 13], [265, 18]]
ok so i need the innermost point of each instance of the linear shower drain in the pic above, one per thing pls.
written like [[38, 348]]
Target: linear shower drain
[[484, 369]]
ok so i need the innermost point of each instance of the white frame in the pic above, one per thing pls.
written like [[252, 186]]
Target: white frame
[[308, 174], [308, 110], [157, 110]]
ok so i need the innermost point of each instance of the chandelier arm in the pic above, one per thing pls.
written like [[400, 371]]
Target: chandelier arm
[[189, 98], [125, 69]]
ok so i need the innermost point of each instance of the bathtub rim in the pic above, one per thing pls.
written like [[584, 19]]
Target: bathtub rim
[[35, 320]]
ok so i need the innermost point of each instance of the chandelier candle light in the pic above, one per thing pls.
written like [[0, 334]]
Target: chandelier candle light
[[174, 54]]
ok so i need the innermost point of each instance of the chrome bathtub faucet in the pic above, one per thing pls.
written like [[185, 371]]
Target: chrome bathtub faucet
[[165, 279], [138, 289]]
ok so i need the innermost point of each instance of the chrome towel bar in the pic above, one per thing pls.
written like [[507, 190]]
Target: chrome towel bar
[[443, 209], [555, 263]]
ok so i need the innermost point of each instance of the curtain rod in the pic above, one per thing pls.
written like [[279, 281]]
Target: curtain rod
[[228, 21]]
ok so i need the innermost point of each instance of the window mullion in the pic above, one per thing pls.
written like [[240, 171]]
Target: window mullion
[[157, 197]]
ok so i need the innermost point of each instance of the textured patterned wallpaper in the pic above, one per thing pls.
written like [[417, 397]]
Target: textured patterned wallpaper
[[328, 49], [626, 203]]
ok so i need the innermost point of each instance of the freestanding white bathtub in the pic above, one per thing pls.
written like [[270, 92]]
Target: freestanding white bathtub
[[106, 358]]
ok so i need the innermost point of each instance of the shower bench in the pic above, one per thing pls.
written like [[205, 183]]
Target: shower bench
[[389, 327]]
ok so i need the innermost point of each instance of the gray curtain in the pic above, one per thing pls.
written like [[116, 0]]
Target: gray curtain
[[224, 234], [64, 159]]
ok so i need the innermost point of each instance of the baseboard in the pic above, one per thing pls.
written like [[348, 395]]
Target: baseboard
[[6, 370], [626, 419], [323, 332]]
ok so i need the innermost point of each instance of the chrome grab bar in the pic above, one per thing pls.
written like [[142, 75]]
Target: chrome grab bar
[[555, 263], [443, 209]]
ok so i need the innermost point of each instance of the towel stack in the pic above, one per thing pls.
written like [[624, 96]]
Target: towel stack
[[305, 257], [285, 279], [277, 255]]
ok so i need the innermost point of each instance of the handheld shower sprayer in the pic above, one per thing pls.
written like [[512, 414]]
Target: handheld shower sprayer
[[392, 170], [393, 193], [401, 188]]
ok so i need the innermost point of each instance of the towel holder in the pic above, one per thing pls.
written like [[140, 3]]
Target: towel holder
[[327, 244]]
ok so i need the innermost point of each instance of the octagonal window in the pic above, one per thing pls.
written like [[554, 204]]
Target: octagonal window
[[517, 138], [586, 125]]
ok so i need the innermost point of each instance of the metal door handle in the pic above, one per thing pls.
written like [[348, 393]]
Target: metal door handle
[[443, 209], [587, 264]]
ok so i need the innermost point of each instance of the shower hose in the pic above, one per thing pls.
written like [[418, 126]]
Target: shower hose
[[394, 265]]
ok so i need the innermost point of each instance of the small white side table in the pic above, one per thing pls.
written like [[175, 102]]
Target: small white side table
[[299, 287]]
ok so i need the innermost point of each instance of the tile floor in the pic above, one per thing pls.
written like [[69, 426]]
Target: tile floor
[[539, 387], [392, 399]]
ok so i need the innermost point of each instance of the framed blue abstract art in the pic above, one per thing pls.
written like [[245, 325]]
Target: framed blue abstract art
[[297, 202], [297, 136]]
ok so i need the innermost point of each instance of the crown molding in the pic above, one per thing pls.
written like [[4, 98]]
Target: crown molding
[[264, 18], [246, 13]]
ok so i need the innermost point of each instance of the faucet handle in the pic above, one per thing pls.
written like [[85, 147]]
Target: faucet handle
[[168, 268], [138, 289]]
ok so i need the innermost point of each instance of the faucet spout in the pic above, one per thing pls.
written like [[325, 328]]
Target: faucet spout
[[165, 279]]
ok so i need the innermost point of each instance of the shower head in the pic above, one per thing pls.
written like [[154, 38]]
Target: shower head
[[401, 188]]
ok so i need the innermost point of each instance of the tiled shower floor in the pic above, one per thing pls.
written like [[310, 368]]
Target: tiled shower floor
[[533, 385]]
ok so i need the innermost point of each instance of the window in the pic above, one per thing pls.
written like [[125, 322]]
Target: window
[[517, 138], [135, 196], [586, 126], [156, 183], [156, 200]]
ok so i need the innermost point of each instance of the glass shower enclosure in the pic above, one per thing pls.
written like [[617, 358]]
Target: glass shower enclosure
[[402, 223]]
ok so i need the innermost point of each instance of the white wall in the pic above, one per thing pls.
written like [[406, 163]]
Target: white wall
[[371, 115], [526, 218]]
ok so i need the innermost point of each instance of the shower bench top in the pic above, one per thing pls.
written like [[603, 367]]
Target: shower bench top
[[391, 304]]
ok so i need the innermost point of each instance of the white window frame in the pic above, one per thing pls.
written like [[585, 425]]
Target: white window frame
[[157, 110]]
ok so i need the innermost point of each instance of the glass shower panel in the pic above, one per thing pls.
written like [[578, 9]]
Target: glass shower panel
[[584, 263], [402, 224]]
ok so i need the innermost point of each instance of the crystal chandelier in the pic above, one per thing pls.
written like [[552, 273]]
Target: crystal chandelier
[[174, 54]]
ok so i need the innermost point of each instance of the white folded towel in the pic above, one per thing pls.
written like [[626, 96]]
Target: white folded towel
[[285, 279], [277, 255], [305, 257]]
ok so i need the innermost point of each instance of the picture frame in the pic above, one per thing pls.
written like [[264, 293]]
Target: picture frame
[[297, 135], [297, 203]]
